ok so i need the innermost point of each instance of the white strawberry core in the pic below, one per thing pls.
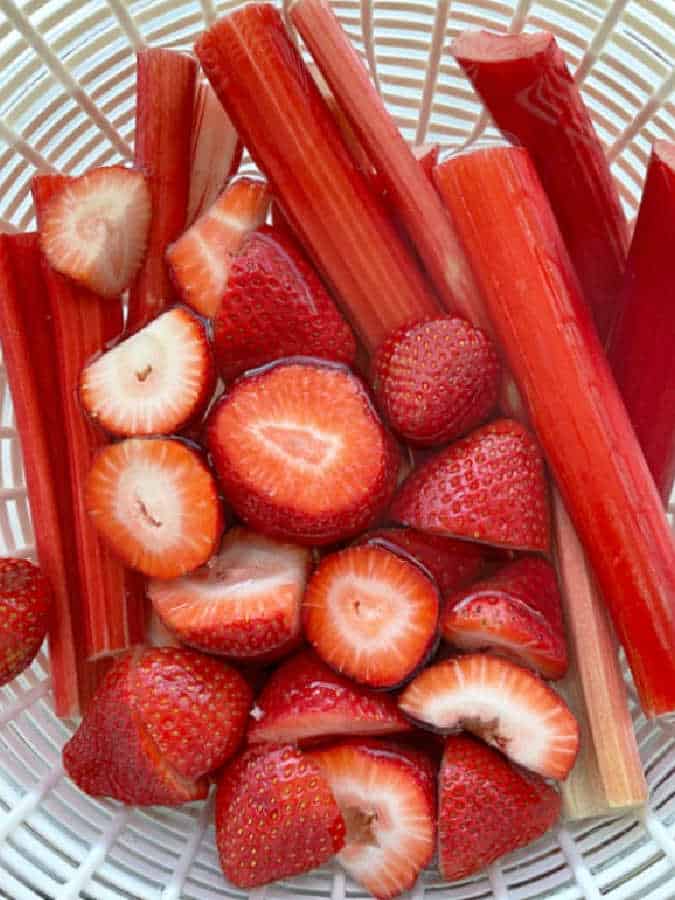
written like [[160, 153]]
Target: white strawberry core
[[299, 445], [149, 499], [370, 614]]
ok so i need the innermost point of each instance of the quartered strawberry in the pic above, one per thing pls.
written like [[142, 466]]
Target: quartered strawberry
[[436, 379], [154, 382], [305, 700], [200, 260], [275, 817], [489, 486], [155, 501], [371, 615], [487, 807], [161, 721], [25, 602], [301, 453], [244, 603], [507, 705], [275, 305], [96, 229], [387, 796], [516, 613]]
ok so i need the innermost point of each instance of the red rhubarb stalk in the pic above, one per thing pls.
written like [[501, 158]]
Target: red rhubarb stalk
[[165, 96], [642, 344], [82, 325], [529, 92], [514, 246], [278, 110]]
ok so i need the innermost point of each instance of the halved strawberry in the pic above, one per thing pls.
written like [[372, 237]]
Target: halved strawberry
[[96, 229], [371, 615], [305, 700], [436, 379], [25, 602], [487, 807], [200, 260], [154, 382], [244, 603], [156, 503], [301, 453], [507, 705], [387, 796], [516, 613], [490, 486], [275, 817], [275, 305]]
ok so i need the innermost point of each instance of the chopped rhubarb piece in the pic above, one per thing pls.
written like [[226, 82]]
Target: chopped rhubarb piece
[[427, 158], [216, 152], [533, 297], [529, 92], [642, 344], [272, 99], [165, 96]]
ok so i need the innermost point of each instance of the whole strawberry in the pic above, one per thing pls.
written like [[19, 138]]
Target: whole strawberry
[[25, 600], [436, 379]]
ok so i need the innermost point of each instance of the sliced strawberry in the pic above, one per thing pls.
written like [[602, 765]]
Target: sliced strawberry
[[301, 453], [161, 720], [507, 705], [275, 817], [25, 602], [487, 807], [154, 382], [275, 305], [156, 503], [436, 379], [96, 229], [490, 486], [305, 700], [516, 613], [371, 615], [387, 796], [244, 603], [201, 258], [453, 564]]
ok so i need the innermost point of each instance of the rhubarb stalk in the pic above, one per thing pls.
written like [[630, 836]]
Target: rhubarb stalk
[[528, 90]]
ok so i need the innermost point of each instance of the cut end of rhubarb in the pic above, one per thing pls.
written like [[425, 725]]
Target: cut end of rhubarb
[[486, 47]]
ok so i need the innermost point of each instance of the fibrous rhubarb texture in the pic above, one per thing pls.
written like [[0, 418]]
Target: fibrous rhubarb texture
[[533, 298], [165, 97], [642, 344], [525, 83], [278, 110]]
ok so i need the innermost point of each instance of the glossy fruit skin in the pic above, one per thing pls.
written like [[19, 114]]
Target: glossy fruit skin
[[25, 604]]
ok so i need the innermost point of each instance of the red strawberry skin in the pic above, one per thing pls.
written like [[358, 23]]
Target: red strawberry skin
[[305, 701], [436, 380], [275, 305], [25, 602], [487, 807], [275, 817], [489, 486]]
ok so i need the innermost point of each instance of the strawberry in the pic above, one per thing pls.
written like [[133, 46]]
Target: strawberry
[[25, 602], [155, 501], [154, 382], [275, 306], [507, 705], [160, 722], [305, 700], [487, 807], [244, 603], [452, 564], [200, 260], [436, 379], [387, 796], [301, 453], [371, 615], [490, 486], [516, 613], [275, 817], [96, 229]]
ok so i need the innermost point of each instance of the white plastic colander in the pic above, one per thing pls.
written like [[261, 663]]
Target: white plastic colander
[[67, 95]]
